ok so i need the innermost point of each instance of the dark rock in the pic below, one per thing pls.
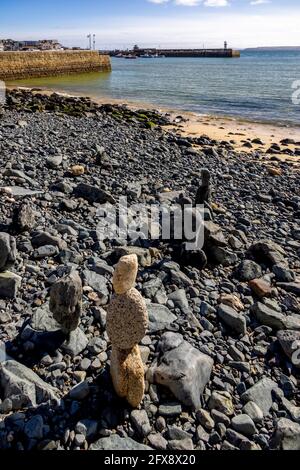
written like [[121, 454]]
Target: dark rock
[[98, 283], [262, 394], [115, 442], [290, 343], [23, 386], [46, 239], [93, 194], [9, 285], [233, 319], [141, 422], [267, 251], [283, 274], [23, 217], [34, 428], [8, 251], [274, 319], [293, 287], [80, 391], [143, 254], [248, 270], [287, 436], [54, 161], [244, 425], [76, 343], [179, 298], [46, 251], [160, 317], [204, 191]]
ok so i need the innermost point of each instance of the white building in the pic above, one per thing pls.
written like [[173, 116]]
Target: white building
[[42, 45]]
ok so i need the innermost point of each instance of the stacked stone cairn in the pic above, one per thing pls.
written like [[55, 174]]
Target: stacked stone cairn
[[66, 302], [9, 282], [127, 323]]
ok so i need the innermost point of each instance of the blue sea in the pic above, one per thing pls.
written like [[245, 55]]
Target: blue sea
[[257, 86]]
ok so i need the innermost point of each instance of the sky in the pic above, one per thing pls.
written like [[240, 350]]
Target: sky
[[154, 23]]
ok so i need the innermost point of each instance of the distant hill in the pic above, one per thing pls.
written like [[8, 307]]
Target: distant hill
[[279, 48]]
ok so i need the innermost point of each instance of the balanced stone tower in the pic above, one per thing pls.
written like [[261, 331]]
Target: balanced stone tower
[[127, 323], [9, 282], [65, 301], [204, 191]]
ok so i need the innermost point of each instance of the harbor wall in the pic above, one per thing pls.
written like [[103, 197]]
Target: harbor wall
[[22, 65], [216, 53]]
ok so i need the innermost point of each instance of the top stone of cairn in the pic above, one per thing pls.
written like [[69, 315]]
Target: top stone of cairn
[[125, 274]]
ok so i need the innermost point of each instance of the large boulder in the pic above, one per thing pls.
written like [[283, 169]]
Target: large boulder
[[42, 239], [233, 319], [8, 251], [185, 371], [48, 335], [93, 194], [268, 252], [160, 317], [23, 386], [290, 343], [287, 436], [115, 442], [262, 394], [274, 319], [9, 285]]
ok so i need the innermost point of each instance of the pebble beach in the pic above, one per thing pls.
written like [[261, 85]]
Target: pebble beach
[[220, 354]]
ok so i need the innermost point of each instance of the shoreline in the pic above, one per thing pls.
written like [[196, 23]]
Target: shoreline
[[238, 131]]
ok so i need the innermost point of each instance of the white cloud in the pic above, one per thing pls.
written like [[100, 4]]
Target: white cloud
[[158, 1], [188, 3], [260, 2], [216, 3], [194, 3]]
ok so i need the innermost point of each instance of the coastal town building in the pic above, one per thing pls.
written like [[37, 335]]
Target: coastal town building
[[41, 45]]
